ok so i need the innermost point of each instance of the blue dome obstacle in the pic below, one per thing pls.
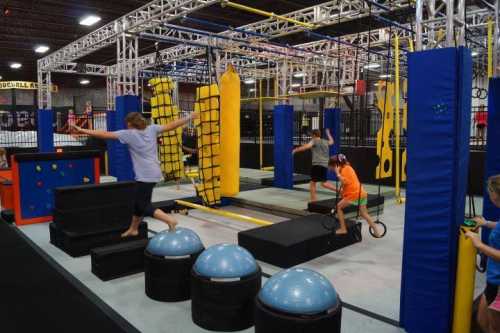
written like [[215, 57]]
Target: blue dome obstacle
[[298, 300], [225, 281], [168, 260]]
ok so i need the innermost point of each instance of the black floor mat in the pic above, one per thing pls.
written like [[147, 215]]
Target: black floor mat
[[38, 295]]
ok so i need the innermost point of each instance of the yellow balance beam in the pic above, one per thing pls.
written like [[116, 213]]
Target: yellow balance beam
[[224, 213]]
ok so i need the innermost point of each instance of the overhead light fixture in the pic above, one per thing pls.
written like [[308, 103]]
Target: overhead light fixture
[[295, 85], [385, 76], [371, 66], [1, 77], [249, 81], [253, 90], [89, 20], [42, 48], [474, 53], [15, 65], [299, 75], [376, 84], [84, 82]]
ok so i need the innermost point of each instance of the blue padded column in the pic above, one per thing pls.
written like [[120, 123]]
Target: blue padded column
[[490, 212], [332, 122], [439, 104], [283, 146], [120, 164], [45, 131]]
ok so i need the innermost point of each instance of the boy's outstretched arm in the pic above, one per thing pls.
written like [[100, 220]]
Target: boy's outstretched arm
[[96, 133], [331, 142], [302, 148], [179, 122]]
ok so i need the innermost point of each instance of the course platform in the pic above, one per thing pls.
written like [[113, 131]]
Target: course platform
[[170, 206], [297, 179], [297, 241], [326, 206]]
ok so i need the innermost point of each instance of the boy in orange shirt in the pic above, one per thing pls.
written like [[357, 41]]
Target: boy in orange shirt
[[352, 193]]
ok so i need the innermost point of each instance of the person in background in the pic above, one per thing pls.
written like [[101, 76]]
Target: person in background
[[4, 164], [142, 142], [481, 120], [352, 193], [488, 314], [71, 120], [320, 149]]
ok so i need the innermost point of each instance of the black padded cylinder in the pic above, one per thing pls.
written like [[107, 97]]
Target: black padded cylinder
[[168, 279], [268, 320], [224, 305]]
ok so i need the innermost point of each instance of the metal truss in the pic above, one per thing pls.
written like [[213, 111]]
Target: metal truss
[[44, 93], [87, 69], [127, 49]]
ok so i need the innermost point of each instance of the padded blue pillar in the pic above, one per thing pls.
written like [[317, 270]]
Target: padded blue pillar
[[120, 164], [45, 131], [439, 116], [332, 122], [283, 146], [490, 211]]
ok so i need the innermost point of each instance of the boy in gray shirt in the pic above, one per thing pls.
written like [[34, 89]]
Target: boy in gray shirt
[[320, 149], [142, 142]]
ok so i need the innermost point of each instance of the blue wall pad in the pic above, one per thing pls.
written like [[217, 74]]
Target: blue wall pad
[[490, 212], [120, 164], [332, 122], [283, 146], [45, 132], [439, 118]]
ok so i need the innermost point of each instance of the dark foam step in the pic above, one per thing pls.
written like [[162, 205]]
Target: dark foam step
[[118, 260], [169, 206], [326, 206], [7, 215], [297, 180], [289, 243]]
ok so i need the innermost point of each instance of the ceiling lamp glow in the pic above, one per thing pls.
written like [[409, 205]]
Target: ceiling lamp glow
[[299, 75], [15, 65], [371, 66], [385, 76], [84, 82], [295, 85], [249, 81], [89, 20], [474, 53], [41, 49]]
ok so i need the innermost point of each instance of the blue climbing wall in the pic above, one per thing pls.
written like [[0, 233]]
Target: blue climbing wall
[[45, 131], [283, 146], [439, 115], [332, 122]]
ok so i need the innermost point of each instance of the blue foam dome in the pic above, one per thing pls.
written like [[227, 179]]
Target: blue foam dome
[[225, 261], [181, 242], [299, 291]]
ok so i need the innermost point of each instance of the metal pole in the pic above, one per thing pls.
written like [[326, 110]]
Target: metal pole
[[419, 16], [397, 119], [261, 127], [450, 17]]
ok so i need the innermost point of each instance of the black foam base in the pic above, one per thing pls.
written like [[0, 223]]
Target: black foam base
[[326, 206], [168, 279], [297, 179], [115, 261], [296, 241], [7, 215], [169, 206], [80, 244], [270, 321], [224, 305]]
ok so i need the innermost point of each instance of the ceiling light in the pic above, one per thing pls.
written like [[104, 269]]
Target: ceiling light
[[15, 65], [371, 66], [385, 76], [376, 84], [84, 82], [1, 77], [89, 20], [295, 85], [299, 75], [474, 53], [249, 81], [42, 48], [253, 90]]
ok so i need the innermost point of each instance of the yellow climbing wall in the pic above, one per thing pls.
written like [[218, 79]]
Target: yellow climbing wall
[[385, 104], [163, 112], [404, 130]]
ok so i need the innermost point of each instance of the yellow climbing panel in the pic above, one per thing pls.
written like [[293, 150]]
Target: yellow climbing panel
[[404, 130], [385, 101], [163, 112], [208, 129]]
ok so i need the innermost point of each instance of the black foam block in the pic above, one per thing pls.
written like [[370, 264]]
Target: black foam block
[[269, 321], [118, 260], [7, 215], [224, 305], [78, 244], [289, 243], [297, 179], [326, 206], [169, 206]]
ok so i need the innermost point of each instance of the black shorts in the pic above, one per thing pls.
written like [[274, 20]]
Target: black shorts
[[142, 201], [318, 173], [490, 292]]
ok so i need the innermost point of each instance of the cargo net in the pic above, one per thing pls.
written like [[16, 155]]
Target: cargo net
[[208, 131], [170, 143]]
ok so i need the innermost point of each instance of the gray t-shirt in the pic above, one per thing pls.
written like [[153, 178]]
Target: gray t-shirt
[[143, 148], [320, 152]]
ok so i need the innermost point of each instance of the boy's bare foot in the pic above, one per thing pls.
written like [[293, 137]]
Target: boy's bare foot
[[130, 233], [376, 233], [341, 232], [171, 225]]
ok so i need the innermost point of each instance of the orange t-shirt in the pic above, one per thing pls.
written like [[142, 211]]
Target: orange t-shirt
[[351, 187]]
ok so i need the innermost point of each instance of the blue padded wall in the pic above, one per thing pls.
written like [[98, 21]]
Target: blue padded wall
[[490, 212], [332, 122], [283, 146], [439, 104], [45, 132], [120, 164]]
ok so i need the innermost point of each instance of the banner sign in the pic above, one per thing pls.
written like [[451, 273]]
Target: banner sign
[[23, 85]]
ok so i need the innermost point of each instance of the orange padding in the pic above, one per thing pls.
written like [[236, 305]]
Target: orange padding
[[6, 193]]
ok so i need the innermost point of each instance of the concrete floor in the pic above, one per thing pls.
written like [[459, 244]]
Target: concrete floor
[[366, 275]]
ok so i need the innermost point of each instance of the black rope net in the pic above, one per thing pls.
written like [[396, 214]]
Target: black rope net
[[163, 111]]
